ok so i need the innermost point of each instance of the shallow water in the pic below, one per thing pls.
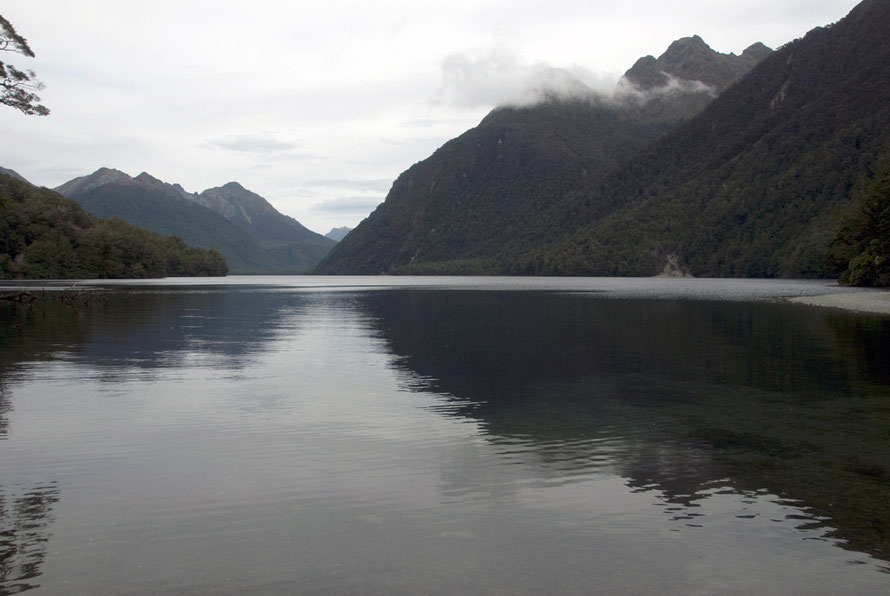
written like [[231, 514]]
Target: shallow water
[[443, 435]]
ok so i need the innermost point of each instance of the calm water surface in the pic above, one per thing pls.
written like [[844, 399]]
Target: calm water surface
[[423, 435]]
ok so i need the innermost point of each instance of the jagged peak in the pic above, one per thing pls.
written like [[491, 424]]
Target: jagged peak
[[691, 59]]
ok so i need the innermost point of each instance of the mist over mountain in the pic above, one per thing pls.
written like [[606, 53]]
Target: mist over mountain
[[488, 189], [691, 59], [704, 164], [756, 185], [244, 227]]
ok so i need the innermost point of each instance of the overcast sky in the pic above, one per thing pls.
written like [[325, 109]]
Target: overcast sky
[[319, 106]]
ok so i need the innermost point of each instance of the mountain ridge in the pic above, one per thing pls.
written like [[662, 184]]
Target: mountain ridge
[[757, 183], [274, 243]]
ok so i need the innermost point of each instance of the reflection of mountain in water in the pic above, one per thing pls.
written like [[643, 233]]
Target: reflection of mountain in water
[[150, 328], [678, 396], [25, 520]]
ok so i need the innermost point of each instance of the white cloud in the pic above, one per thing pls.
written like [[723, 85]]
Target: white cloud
[[498, 77]]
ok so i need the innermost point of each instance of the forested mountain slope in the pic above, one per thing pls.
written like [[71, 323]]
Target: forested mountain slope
[[481, 193], [43, 235], [757, 184]]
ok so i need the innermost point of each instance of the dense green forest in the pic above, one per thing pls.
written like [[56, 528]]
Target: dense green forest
[[860, 254], [757, 184], [46, 236]]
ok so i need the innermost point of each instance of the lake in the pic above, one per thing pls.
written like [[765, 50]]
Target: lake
[[324, 435]]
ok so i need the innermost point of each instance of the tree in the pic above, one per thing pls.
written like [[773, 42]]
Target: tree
[[17, 87], [863, 243]]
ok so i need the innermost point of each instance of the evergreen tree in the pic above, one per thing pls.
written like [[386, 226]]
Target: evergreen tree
[[17, 87], [863, 244]]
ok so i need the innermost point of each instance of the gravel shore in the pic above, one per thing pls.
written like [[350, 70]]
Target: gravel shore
[[877, 301]]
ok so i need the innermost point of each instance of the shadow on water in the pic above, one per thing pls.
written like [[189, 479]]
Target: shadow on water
[[678, 396], [25, 520]]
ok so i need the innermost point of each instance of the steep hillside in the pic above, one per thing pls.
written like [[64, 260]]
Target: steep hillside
[[284, 247], [12, 174], [487, 190], [43, 235], [480, 190], [753, 186]]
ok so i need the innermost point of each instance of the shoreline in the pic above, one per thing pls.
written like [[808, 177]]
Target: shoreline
[[872, 302]]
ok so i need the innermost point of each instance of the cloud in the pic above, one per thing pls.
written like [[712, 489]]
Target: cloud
[[498, 77], [627, 90], [262, 143]]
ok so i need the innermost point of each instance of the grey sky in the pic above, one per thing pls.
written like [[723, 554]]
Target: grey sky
[[319, 106]]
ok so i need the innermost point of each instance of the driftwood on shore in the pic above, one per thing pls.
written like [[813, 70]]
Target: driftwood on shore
[[73, 297], [19, 297]]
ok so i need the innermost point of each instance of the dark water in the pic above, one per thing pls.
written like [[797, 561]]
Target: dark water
[[366, 435]]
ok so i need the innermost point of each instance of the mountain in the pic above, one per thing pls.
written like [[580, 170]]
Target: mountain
[[253, 237], [13, 174], [460, 209], [283, 236], [44, 235], [691, 59], [688, 68], [337, 234], [757, 184]]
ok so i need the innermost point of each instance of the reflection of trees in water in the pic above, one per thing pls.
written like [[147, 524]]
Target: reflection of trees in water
[[25, 520], [150, 329], [757, 396]]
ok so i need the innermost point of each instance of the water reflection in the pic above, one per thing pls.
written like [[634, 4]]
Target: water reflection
[[140, 331], [25, 520], [404, 441], [676, 397]]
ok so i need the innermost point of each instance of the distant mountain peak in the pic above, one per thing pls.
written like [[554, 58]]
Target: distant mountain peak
[[252, 235], [100, 177], [338, 234]]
